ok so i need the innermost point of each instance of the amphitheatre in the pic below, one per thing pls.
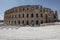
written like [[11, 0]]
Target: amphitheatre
[[30, 15]]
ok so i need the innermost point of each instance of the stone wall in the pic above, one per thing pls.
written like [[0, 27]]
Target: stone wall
[[30, 14]]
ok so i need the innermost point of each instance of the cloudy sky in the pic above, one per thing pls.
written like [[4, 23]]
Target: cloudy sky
[[7, 4]]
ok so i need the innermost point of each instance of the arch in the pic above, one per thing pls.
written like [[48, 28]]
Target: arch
[[18, 22], [54, 17], [41, 21], [41, 15], [40, 10], [32, 22], [27, 15], [32, 15], [27, 22], [14, 22], [37, 22], [37, 15], [23, 22]]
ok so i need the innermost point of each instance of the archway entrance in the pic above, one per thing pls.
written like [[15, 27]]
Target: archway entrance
[[19, 22], [27, 22], [37, 22], [42, 22]]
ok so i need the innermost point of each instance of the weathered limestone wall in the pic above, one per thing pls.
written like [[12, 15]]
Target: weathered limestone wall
[[30, 14]]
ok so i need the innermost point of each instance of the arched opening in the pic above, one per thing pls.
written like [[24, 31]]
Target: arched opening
[[18, 22], [27, 22], [36, 15], [32, 15], [54, 17], [22, 22], [32, 22], [14, 22], [40, 10], [27, 15], [41, 15], [23, 9], [37, 22], [41, 21]]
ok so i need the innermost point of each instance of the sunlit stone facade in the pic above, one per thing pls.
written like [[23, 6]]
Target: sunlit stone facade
[[30, 14]]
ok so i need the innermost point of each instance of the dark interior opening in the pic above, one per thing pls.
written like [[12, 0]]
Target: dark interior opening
[[27, 22], [18, 22], [41, 22], [37, 22]]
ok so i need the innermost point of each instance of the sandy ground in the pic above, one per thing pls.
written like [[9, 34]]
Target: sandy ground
[[51, 32]]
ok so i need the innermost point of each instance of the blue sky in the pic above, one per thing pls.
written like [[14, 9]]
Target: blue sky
[[7, 4]]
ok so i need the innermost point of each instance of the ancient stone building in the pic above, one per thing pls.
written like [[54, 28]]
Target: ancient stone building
[[30, 14]]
